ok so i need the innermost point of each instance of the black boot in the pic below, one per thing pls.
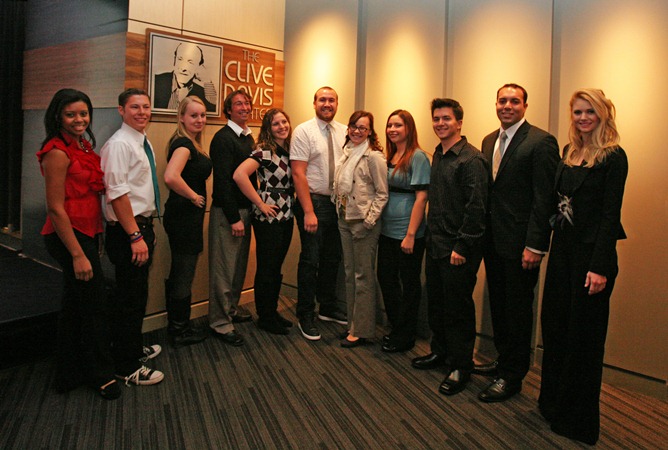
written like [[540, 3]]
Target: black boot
[[179, 329]]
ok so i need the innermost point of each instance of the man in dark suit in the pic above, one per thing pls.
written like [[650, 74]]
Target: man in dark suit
[[189, 77], [523, 159]]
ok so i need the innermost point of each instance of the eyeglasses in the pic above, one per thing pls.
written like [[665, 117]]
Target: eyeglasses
[[360, 129]]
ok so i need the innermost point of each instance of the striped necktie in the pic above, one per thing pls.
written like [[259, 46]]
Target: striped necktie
[[498, 154]]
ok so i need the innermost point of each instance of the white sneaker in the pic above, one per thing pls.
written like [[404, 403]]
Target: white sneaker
[[150, 352], [143, 377]]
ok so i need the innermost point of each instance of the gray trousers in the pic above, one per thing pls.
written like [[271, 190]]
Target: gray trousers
[[359, 260], [228, 259]]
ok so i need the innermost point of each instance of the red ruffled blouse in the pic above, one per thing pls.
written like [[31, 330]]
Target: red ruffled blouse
[[83, 185]]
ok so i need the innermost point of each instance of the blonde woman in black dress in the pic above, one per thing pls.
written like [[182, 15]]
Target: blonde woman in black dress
[[188, 167], [582, 267]]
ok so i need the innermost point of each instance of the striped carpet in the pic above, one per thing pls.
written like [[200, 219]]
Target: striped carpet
[[285, 392]]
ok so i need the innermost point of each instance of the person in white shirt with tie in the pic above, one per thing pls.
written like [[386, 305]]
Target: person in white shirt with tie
[[316, 147], [131, 199]]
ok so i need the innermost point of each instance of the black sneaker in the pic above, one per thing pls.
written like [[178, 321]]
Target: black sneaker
[[142, 377], [150, 352], [333, 316], [308, 328]]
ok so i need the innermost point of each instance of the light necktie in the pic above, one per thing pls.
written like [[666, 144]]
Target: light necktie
[[498, 154], [154, 175], [330, 149]]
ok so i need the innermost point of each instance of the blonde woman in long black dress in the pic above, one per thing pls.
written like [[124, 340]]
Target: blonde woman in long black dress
[[582, 267]]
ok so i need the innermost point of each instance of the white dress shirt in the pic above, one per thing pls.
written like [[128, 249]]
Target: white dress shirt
[[309, 143], [127, 171]]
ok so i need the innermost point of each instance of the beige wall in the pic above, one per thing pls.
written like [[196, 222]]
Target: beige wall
[[466, 49], [404, 66], [624, 53]]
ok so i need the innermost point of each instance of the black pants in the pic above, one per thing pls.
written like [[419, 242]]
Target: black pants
[[181, 275], [451, 309], [84, 353], [130, 297], [511, 298], [399, 279], [574, 326], [272, 244]]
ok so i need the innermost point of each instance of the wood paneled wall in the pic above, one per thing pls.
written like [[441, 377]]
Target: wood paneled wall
[[95, 66]]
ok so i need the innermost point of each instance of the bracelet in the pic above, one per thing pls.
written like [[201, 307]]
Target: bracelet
[[135, 234], [137, 239]]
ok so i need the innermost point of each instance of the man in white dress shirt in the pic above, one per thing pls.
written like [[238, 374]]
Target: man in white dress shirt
[[315, 148], [130, 201]]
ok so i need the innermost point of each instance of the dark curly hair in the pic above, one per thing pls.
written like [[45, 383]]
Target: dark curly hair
[[53, 121]]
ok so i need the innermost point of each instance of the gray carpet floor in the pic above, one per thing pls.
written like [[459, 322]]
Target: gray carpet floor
[[285, 392]]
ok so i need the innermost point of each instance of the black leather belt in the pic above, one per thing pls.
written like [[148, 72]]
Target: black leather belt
[[276, 190]]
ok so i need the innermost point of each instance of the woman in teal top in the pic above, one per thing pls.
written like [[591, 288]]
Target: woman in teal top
[[401, 245]]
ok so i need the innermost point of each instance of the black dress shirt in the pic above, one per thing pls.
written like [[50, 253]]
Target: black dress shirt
[[457, 200]]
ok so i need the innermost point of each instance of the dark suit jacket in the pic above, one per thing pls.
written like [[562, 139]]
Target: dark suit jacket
[[521, 201], [163, 91], [597, 204]]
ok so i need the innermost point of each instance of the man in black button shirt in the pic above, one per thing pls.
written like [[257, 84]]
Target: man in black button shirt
[[455, 227]]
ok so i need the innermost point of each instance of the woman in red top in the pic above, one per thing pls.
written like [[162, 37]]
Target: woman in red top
[[73, 180]]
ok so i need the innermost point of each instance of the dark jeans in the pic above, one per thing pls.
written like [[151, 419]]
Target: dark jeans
[[130, 297], [451, 309], [83, 327], [399, 278], [319, 259], [511, 297], [272, 242]]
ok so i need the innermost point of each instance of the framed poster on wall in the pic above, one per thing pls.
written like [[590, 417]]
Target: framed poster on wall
[[179, 66]]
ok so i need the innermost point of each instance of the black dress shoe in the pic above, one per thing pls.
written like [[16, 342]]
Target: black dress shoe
[[431, 361], [454, 383], [272, 325], [188, 336], [232, 338], [387, 338], [500, 390], [489, 369], [240, 317], [345, 343], [392, 347]]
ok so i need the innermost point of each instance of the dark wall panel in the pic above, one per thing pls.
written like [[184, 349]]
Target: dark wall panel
[[58, 22]]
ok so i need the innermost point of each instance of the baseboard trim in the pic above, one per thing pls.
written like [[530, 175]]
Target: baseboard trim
[[159, 320]]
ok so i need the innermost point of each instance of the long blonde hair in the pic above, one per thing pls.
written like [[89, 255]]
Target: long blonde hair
[[604, 139], [181, 129]]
